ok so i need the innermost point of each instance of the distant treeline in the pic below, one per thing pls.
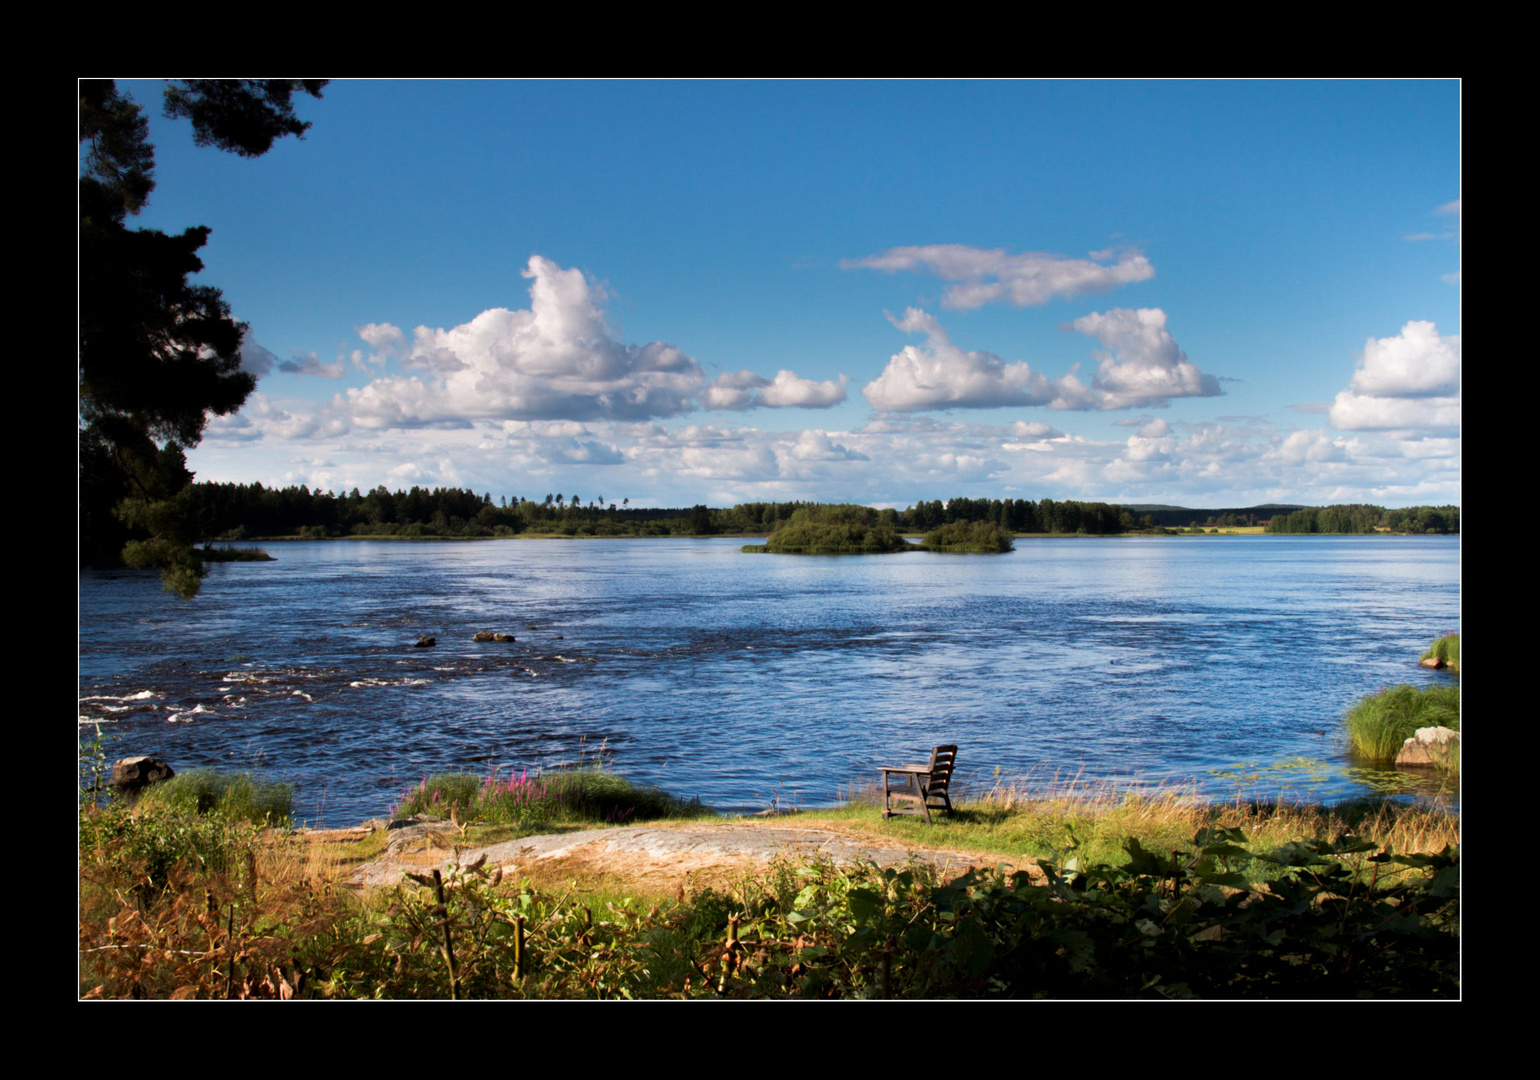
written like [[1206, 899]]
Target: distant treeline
[[252, 511], [1359, 518], [239, 511]]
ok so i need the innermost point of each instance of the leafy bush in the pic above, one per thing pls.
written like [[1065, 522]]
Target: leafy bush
[[1335, 921], [571, 795], [1379, 724]]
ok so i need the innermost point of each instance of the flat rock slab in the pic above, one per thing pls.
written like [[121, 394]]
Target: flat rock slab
[[656, 853]]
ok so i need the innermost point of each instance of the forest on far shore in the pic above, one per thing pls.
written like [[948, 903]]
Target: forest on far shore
[[251, 511]]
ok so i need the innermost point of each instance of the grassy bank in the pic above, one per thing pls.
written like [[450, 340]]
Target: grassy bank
[[1153, 896]]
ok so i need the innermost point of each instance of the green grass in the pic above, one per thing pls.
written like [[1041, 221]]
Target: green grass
[[232, 796], [1379, 724], [1093, 823], [528, 803], [1447, 649]]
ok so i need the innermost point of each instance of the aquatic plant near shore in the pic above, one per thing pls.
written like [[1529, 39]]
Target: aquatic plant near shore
[[1446, 649], [1379, 724]]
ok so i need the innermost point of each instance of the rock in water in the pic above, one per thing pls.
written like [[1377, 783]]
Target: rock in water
[[1430, 746]]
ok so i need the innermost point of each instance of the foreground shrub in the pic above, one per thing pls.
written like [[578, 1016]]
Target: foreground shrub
[[567, 796], [1447, 649], [1335, 921], [1379, 724], [177, 906]]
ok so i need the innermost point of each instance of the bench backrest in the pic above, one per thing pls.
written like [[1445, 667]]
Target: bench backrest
[[942, 758]]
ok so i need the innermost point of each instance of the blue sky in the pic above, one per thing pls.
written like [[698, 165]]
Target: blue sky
[[1203, 293]]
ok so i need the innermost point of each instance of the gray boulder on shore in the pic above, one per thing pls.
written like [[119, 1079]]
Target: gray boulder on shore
[[140, 771]]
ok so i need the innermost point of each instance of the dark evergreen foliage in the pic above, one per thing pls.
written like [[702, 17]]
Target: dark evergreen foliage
[[158, 355]]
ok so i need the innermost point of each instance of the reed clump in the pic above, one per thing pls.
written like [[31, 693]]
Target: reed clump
[[1447, 650], [1380, 723]]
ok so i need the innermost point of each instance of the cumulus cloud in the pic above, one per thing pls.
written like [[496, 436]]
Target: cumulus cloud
[[939, 375], [1408, 383], [746, 390], [1144, 365], [555, 360], [1417, 362], [985, 276], [814, 445], [1312, 446], [386, 340]]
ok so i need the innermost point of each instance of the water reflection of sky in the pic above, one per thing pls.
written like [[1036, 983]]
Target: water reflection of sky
[[1221, 662]]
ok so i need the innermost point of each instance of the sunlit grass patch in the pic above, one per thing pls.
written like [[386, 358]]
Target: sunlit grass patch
[[233, 796]]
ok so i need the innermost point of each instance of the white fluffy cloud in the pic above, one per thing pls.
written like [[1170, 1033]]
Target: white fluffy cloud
[[1415, 363], [746, 390], [1408, 383], [939, 375], [554, 360], [1144, 368], [985, 276], [1144, 365]]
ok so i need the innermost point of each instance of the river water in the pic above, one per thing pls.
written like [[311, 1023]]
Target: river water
[[1220, 664]]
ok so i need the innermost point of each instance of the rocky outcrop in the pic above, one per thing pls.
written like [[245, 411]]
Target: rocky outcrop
[[135, 773], [488, 635], [1432, 746], [427, 641]]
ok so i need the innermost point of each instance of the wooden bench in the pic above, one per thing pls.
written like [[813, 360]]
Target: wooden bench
[[921, 785]]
